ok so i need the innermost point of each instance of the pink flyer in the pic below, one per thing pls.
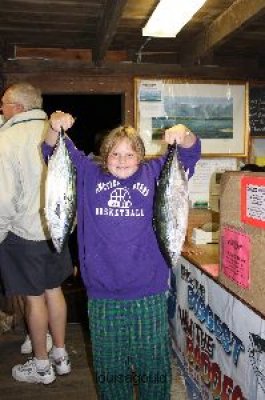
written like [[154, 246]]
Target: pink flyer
[[235, 256]]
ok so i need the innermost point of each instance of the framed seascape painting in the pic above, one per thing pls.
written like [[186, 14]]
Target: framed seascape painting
[[216, 112]]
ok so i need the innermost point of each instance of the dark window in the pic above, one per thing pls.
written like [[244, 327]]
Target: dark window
[[95, 115]]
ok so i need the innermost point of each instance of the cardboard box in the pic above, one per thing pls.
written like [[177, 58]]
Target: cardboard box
[[230, 218], [200, 236], [199, 217]]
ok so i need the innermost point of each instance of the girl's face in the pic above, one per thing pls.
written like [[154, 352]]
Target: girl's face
[[122, 160]]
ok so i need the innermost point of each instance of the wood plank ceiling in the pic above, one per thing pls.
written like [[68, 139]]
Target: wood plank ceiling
[[222, 32]]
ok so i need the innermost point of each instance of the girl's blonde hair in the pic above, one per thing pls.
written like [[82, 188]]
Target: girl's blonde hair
[[115, 136]]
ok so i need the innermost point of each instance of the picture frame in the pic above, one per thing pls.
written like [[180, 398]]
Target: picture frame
[[216, 111]]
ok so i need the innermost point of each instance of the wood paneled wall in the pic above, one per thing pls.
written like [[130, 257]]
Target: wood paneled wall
[[58, 83]]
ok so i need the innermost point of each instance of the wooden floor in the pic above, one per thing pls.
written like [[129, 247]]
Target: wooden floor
[[76, 386], [79, 385]]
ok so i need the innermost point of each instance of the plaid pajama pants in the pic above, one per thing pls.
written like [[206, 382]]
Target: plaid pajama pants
[[130, 343]]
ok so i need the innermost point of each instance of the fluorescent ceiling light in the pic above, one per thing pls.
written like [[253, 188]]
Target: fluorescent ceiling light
[[170, 16]]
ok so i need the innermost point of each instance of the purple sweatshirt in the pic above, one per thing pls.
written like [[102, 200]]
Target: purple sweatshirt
[[118, 250]]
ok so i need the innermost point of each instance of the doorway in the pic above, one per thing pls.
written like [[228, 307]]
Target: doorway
[[96, 115]]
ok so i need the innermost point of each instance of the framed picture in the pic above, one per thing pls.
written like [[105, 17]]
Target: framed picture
[[216, 112]]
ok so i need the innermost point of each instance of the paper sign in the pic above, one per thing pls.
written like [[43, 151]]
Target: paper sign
[[151, 98], [150, 91], [235, 257], [253, 201], [200, 183]]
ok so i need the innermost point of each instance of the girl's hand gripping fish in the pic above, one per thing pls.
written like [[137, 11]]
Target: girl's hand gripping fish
[[60, 194], [171, 207]]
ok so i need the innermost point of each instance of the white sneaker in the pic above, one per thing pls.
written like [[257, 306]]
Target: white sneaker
[[28, 373], [26, 347], [62, 364]]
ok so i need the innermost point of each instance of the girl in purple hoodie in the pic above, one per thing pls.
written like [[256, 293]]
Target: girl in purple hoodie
[[124, 272]]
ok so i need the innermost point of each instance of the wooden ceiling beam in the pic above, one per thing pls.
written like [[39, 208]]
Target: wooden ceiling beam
[[238, 14], [57, 9], [6, 50], [107, 28], [83, 68]]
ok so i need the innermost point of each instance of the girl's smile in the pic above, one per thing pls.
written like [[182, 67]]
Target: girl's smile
[[122, 160]]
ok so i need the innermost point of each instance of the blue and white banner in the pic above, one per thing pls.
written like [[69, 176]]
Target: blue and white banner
[[218, 341]]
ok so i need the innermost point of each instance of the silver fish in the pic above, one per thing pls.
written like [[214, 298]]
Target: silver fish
[[171, 207], [60, 194]]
